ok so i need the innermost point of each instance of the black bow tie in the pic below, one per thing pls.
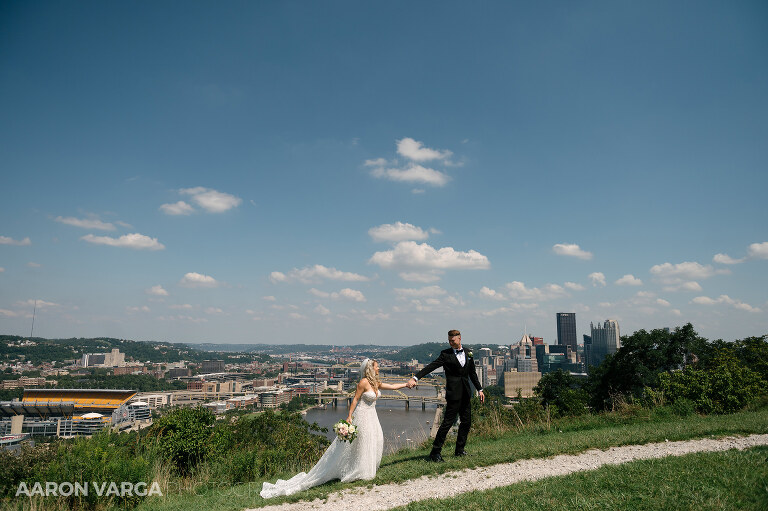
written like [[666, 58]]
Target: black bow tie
[[460, 351]]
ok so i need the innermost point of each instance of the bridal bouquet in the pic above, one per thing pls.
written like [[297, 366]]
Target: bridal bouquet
[[345, 431]]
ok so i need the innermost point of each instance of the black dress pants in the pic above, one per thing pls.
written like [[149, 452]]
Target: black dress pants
[[461, 408]]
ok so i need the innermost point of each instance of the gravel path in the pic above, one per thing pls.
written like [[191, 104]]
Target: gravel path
[[392, 495]]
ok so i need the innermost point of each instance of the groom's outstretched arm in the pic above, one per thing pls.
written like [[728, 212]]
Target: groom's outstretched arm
[[438, 362]]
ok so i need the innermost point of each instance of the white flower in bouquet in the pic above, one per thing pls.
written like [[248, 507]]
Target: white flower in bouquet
[[345, 431]]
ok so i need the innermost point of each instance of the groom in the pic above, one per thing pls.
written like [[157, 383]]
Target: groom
[[459, 367]]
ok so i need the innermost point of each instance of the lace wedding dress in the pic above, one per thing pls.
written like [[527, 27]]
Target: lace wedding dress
[[342, 460]]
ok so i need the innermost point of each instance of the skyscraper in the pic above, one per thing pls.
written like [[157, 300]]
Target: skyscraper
[[566, 329], [605, 340]]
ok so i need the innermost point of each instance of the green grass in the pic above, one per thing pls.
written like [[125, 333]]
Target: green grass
[[727, 480], [565, 437]]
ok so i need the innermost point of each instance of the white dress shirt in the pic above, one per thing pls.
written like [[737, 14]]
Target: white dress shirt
[[461, 357]]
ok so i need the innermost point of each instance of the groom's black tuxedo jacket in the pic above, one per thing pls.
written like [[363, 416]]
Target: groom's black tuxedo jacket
[[456, 377]]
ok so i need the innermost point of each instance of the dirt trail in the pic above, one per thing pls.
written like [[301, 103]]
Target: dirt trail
[[388, 496]]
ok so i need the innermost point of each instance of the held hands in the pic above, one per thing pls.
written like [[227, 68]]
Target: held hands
[[411, 383]]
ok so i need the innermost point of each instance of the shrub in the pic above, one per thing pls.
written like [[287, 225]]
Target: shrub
[[562, 392], [186, 437], [725, 386], [22, 466], [269, 443]]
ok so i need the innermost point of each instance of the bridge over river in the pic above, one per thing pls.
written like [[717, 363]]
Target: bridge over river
[[330, 396]]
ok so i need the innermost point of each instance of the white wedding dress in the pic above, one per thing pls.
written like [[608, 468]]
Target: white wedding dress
[[342, 460]]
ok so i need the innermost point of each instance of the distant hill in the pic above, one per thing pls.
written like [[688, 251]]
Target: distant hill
[[427, 352], [277, 349], [49, 350]]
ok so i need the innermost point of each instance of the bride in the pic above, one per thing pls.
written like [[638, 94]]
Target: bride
[[347, 461]]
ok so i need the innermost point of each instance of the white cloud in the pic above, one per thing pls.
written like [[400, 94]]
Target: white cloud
[[193, 279], [33, 264], [754, 251], [8, 314], [135, 241], [269, 298], [415, 150], [433, 276], [5, 240], [214, 310], [746, 307], [418, 191], [86, 223], [663, 302], [323, 311], [182, 306], [2, 269], [675, 273], [684, 286], [350, 295], [398, 231], [758, 250], [429, 291], [296, 315], [177, 208], [412, 174], [378, 162], [511, 309], [143, 308], [574, 286], [725, 299], [597, 278], [455, 300], [676, 312], [517, 290], [409, 254], [210, 200], [629, 280], [726, 259], [571, 250], [156, 291], [486, 292], [705, 300], [316, 273], [41, 304]]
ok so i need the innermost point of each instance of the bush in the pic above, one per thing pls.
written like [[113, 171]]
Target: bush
[[725, 386], [104, 458], [23, 465], [563, 393], [267, 444], [186, 437], [683, 407]]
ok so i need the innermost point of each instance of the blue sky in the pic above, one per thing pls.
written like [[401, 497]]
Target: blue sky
[[360, 172]]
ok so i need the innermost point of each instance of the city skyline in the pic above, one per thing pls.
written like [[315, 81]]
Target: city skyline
[[346, 173]]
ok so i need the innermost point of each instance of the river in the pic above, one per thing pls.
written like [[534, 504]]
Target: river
[[401, 427]]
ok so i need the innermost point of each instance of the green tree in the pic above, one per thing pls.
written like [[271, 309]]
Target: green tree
[[725, 385], [564, 392], [638, 363], [186, 436]]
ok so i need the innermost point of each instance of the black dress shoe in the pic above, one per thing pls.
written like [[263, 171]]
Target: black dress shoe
[[437, 458], [461, 453]]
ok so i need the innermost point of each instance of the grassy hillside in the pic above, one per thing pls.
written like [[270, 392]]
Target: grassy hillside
[[569, 436]]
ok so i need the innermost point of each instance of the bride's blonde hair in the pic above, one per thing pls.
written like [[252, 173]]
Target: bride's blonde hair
[[371, 375]]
